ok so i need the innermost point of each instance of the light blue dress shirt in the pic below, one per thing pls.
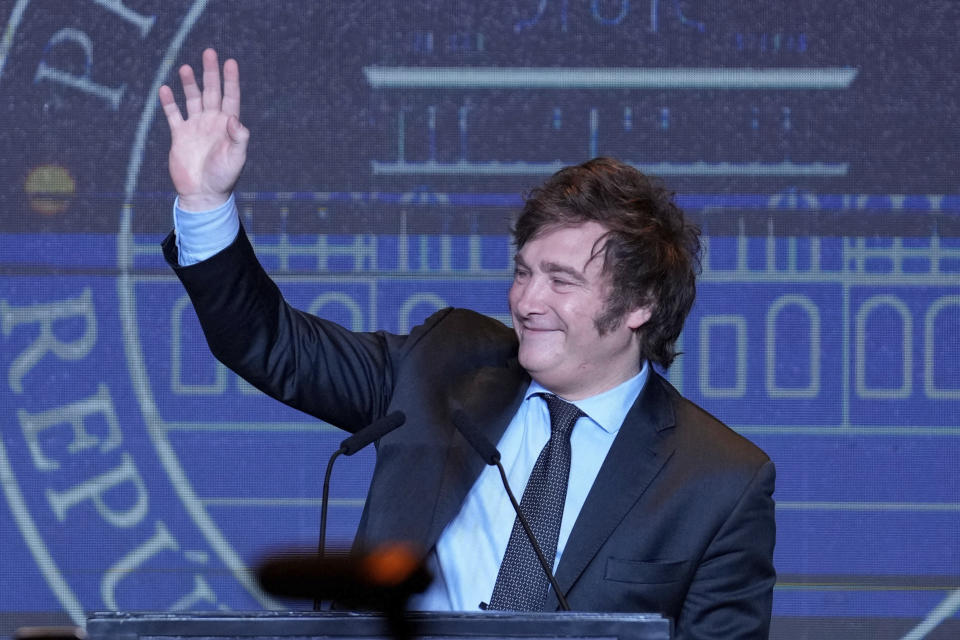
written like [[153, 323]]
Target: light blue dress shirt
[[468, 554], [201, 235], [467, 557]]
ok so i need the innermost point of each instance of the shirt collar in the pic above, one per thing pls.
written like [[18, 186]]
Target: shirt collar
[[608, 409]]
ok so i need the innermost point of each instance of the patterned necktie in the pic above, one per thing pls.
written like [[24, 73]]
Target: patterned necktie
[[521, 584]]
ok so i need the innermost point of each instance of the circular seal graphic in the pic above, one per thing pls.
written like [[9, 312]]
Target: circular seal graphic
[[131, 487], [134, 464]]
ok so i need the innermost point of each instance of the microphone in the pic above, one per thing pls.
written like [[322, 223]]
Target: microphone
[[373, 431], [482, 445]]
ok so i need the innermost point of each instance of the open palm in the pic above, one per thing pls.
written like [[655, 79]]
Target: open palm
[[209, 147]]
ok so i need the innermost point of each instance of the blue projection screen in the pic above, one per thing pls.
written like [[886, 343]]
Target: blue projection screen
[[814, 141]]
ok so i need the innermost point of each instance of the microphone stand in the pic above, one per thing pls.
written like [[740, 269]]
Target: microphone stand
[[322, 541], [373, 431]]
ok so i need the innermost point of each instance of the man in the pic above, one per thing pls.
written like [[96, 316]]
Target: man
[[661, 507]]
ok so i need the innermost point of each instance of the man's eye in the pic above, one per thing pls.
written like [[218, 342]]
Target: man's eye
[[560, 282]]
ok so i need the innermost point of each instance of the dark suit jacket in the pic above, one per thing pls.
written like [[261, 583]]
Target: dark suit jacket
[[680, 519]]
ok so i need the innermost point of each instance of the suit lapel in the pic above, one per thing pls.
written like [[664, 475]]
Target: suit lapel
[[489, 397], [639, 451]]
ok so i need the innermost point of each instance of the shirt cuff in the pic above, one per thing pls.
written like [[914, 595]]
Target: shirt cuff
[[201, 235]]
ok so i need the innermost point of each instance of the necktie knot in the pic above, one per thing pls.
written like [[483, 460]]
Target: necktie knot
[[563, 415]]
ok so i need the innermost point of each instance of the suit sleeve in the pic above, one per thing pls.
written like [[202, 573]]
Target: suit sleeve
[[313, 365], [732, 591]]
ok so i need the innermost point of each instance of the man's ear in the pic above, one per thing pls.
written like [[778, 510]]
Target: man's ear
[[638, 317]]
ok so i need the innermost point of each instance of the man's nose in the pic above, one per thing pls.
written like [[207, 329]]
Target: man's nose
[[529, 297]]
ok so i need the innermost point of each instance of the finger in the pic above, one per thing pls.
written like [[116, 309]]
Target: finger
[[190, 91], [170, 108], [239, 135], [211, 80], [231, 88]]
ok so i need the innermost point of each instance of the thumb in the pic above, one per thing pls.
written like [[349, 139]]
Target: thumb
[[239, 134]]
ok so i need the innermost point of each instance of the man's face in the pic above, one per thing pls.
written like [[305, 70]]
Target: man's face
[[558, 292]]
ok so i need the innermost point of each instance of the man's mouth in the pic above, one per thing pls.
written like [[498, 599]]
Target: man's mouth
[[537, 330]]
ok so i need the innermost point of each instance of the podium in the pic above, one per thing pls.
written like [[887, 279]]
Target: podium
[[330, 625]]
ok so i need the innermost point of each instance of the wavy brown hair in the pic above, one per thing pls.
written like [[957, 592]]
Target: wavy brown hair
[[650, 250]]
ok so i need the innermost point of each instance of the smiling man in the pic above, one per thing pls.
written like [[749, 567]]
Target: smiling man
[[642, 501], [559, 294]]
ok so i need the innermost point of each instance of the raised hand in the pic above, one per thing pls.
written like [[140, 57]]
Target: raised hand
[[209, 148]]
